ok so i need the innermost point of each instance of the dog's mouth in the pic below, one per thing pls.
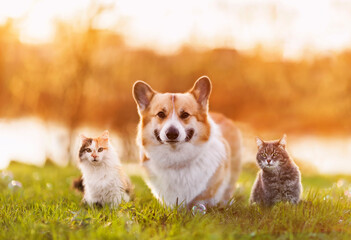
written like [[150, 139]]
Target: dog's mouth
[[189, 134], [157, 135]]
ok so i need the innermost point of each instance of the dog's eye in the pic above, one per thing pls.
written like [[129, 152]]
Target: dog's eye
[[184, 115], [161, 115], [88, 150], [100, 149]]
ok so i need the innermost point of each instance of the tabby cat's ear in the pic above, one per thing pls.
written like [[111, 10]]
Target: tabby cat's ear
[[259, 142], [282, 141]]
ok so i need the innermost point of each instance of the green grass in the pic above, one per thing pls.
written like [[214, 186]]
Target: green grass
[[47, 208]]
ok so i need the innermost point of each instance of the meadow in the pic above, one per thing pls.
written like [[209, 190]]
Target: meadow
[[46, 207], [82, 79]]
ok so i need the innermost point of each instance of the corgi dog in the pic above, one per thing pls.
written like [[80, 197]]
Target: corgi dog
[[103, 181], [191, 156]]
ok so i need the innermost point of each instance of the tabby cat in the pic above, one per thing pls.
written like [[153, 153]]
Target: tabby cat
[[279, 178]]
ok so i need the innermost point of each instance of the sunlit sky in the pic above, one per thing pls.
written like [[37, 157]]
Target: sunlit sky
[[291, 27]]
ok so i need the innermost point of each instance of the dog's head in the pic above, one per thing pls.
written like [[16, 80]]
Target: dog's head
[[173, 118]]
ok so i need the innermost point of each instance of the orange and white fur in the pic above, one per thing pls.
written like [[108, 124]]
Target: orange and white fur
[[103, 179], [190, 156]]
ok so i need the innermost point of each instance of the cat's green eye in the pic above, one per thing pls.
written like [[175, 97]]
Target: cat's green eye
[[100, 149], [264, 155], [88, 150]]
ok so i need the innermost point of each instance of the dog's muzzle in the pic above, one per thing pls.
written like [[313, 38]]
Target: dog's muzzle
[[189, 134], [157, 135]]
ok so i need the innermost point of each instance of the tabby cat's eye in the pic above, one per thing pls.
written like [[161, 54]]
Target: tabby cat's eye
[[161, 115], [100, 149], [184, 115], [88, 150], [264, 155]]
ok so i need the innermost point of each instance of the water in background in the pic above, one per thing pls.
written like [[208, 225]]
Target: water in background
[[31, 140], [330, 155]]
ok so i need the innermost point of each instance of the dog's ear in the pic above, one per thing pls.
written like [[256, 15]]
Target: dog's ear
[[142, 94], [202, 90]]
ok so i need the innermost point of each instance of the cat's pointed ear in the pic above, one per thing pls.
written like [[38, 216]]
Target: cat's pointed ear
[[202, 90], [282, 141], [83, 137], [259, 142], [142, 94], [105, 135]]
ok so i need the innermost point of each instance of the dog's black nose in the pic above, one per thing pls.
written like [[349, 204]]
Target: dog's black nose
[[172, 133]]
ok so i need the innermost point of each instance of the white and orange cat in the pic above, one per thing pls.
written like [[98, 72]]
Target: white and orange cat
[[103, 181]]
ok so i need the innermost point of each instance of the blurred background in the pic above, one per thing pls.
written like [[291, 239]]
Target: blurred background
[[67, 67]]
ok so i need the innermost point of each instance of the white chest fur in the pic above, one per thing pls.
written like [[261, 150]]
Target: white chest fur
[[102, 184], [179, 175]]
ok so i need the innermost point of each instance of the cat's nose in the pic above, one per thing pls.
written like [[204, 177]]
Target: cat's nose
[[268, 160], [94, 155]]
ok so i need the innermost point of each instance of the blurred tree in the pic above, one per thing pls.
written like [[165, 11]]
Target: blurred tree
[[85, 77], [80, 45], [5, 39]]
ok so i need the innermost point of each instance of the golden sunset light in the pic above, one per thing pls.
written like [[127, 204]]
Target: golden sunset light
[[184, 119], [291, 28]]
